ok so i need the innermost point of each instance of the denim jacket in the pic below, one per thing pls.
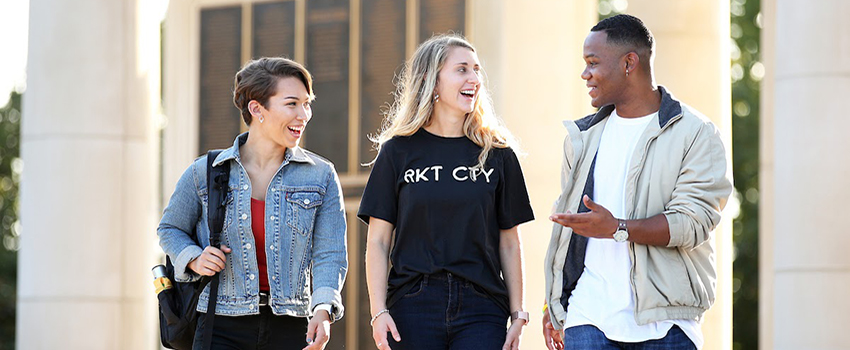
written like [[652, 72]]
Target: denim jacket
[[305, 235]]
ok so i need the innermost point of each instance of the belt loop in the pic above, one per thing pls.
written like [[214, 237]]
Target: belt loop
[[425, 280]]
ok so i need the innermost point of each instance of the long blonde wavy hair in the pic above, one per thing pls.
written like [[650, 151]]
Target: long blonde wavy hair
[[414, 104]]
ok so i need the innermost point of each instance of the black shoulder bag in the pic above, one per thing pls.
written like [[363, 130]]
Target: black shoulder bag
[[178, 316]]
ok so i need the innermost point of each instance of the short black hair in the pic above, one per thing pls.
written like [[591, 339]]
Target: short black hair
[[626, 30]]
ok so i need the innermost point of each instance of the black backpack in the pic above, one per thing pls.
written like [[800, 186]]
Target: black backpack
[[178, 316]]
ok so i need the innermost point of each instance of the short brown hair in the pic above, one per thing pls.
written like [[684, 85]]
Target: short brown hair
[[257, 80]]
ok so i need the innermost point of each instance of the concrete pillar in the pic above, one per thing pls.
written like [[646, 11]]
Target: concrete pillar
[[532, 54], [89, 189], [807, 265], [181, 60], [692, 60]]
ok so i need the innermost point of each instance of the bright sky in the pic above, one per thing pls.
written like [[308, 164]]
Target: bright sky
[[14, 16]]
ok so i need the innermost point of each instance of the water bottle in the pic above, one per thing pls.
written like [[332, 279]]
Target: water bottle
[[160, 280]]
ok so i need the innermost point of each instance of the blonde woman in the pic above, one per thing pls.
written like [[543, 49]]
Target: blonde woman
[[449, 185]]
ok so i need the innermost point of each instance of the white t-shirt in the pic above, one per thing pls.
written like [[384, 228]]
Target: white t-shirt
[[603, 294]]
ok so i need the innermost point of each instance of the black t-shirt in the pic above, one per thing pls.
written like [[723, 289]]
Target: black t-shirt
[[447, 216]]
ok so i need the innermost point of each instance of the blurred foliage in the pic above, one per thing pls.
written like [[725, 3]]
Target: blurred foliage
[[10, 228], [747, 72], [611, 8]]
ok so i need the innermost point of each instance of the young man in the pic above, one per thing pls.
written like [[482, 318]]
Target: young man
[[631, 261]]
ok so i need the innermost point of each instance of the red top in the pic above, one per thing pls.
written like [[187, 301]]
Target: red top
[[258, 225]]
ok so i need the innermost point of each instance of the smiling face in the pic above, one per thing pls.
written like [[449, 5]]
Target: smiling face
[[458, 82], [604, 70], [286, 113]]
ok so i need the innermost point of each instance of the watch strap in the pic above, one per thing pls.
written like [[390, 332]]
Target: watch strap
[[519, 315]]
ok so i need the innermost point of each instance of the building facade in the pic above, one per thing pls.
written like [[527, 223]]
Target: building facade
[[147, 122]]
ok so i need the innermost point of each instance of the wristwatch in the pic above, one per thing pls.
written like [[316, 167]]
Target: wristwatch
[[519, 315], [622, 233]]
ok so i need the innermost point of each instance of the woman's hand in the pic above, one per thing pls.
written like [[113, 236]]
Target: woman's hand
[[383, 324], [211, 261], [554, 338], [318, 331], [514, 333]]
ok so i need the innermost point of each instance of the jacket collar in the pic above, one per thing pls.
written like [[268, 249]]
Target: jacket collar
[[670, 107], [296, 154]]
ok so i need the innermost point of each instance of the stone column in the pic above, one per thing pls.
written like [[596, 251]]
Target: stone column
[[806, 126], [692, 60], [89, 190], [532, 54]]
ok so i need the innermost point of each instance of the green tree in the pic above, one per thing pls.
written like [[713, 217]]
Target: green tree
[[10, 176], [747, 73]]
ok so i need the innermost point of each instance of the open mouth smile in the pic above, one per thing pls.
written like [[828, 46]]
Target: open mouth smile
[[296, 130]]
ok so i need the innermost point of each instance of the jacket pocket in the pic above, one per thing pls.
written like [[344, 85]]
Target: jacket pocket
[[671, 278], [301, 206]]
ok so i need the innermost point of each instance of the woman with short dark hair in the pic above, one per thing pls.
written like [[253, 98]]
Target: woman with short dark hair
[[283, 256]]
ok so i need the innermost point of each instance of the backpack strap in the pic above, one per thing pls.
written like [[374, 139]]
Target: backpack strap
[[217, 185]]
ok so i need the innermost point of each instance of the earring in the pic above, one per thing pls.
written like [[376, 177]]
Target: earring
[[627, 72], [436, 97], [261, 119]]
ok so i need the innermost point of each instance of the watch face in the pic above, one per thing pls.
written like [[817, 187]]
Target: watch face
[[621, 236]]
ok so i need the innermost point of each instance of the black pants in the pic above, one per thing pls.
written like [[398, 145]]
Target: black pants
[[263, 331]]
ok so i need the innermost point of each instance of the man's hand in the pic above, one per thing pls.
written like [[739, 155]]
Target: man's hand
[[597, 223], [211, 261], [553, 338], [318, 331]]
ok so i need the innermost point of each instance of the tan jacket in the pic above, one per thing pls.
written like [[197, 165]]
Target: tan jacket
[[678, 169]]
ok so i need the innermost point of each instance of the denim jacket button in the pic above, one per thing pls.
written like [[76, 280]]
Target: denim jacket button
[[274, 278], [248, 246], [306, 201], [245, 187], [271, 217], [271, 247], [251, 276], [244, 216], [251, 306]]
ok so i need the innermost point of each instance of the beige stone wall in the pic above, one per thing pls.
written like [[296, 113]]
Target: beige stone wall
[[92, 101], [804, 124], [532, 53], [88, 196]]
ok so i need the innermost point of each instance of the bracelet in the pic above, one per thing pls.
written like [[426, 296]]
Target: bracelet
[[372, 322], [545, 307]]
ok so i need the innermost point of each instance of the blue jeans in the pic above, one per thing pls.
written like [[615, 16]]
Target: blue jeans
[[589, 337], [446, 312]]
